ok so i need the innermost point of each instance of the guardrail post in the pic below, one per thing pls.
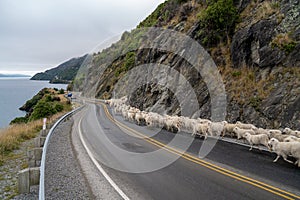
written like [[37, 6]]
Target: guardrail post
[[39, 141], [34, 157], [23, 181], [28, 177], [44, 133]]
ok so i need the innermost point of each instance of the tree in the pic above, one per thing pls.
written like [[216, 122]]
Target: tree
[[218, 20]]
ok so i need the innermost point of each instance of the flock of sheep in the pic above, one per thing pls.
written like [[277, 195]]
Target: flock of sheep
[[284, 143]]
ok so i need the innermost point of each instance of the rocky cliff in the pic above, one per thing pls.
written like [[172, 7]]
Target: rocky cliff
[[254, 44]]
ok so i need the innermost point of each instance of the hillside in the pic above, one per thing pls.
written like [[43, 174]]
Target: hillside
[[64, 73], [254, 44]]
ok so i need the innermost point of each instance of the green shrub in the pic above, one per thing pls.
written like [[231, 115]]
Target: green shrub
[[255, 102], [152, 19], [48, 98], [59, 107], [41, 110], [129, 60], [236, 73], [181, 1], [61, 91], [218, 21], [19, 120], [288, 48]]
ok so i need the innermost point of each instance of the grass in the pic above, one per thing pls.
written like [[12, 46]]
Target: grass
[[284, 42], [244, 87], [12, 136], [256, 11]]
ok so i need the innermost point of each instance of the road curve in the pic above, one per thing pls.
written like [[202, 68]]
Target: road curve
[[229, 171]]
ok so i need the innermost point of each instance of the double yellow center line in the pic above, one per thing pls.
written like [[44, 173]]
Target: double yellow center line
[[245, 179]]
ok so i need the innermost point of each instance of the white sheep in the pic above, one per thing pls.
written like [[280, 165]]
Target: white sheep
[[139, 117], [291, 132], [171, 122], [131, 113], [277, 134], [154, 120], [256, 139], [245, 126], [262, 131], [216, 128], [203, 121], [272, 132], [228, 130], [291, 138], [188, 124], [241, 132], [200, 129], [285, 149]]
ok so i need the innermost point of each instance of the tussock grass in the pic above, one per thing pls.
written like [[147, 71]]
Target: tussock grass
[[249, 86], [12, 136], [258, 10], [243, 83]]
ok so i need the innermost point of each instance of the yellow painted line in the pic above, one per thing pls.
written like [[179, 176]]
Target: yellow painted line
[[206, 164]]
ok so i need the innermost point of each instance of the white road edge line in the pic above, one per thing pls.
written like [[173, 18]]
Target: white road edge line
[[107, 177]]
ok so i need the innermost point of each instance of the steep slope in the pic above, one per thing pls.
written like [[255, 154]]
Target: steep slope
[[64, 73], [255, 45]]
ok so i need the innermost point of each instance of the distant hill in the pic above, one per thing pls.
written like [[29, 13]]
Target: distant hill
[[14, 75], [64, 73]]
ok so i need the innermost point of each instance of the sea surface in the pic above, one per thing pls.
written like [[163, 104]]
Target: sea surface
[[14, 92]]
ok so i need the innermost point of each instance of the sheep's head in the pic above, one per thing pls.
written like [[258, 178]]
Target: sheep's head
[[224, 122], [272, 142], [235, 129], [247, 135], [286, 130], [254, 128]]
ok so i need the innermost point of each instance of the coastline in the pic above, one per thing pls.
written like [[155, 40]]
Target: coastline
[[15, 92]]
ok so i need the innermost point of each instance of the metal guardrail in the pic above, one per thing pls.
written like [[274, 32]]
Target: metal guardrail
[[43, 161]]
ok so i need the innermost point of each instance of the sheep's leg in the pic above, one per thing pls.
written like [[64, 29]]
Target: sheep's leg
[[222, 134], [194, 133], [251, 148], [284, 158], [276, 158]]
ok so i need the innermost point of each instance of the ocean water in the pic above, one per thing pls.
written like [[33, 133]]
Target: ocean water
[[14, 92]]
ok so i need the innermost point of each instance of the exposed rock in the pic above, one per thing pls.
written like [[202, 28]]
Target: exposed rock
[[251, 46], [263, 54]]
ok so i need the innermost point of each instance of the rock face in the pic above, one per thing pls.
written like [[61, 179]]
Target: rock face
[[259, 64], [250, 46], [256, 44]]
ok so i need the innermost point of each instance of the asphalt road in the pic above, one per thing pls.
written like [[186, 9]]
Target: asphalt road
[[153, 170]]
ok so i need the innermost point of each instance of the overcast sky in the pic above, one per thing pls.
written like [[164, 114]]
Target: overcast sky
[[40, 34]]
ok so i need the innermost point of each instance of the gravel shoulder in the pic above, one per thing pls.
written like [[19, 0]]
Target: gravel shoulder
[[63, 176], [9, 170]]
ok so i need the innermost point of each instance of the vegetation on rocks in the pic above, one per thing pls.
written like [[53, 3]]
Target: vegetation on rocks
[[47, 103], [217, 22], [255, 45], [64, 73], [44, 104]]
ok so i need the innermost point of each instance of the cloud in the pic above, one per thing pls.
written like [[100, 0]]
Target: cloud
[[37, 34]]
